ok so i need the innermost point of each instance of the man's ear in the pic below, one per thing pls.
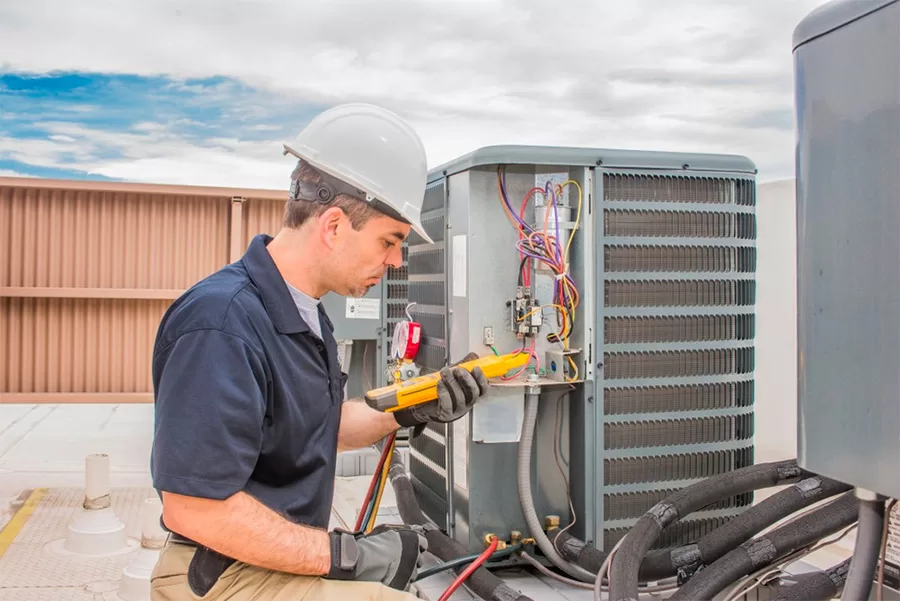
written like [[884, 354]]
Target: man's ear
[[330, 224]]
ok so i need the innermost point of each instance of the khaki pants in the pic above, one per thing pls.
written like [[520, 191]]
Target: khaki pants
[[242, 582]]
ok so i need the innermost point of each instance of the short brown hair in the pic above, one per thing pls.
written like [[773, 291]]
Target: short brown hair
[[297, 212]]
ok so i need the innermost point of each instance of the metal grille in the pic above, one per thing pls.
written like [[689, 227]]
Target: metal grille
[[427, 289], [431, 357], [430, 478], [669, 244], [676, 432], [680, 258], [397, 294], [702, 328], [435, 227], [659, 399], [682, 224], [679, 533], [680, 293], [673, 364], [686, 189], [432, 450], [432, 325], [427, 293], [666, 468], [428, 261], [431, 504], [634, 504]]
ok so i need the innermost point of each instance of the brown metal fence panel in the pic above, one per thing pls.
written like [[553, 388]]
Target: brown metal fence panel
[[260, 216], [87, 270]]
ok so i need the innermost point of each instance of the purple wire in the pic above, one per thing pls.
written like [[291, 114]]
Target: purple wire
[[556, 222], [506, 200]]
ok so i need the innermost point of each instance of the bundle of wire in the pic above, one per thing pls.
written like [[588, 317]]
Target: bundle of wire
[[543, 246], [365, 521]]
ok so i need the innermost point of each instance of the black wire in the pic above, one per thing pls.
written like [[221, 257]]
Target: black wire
[[522, 270]]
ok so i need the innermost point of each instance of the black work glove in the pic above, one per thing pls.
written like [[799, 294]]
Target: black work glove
[[388, 554], [457, 392]]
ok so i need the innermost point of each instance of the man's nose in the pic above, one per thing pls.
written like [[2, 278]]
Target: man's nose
[[395, 257]]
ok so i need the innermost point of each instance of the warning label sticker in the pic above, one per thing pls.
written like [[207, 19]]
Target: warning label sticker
[[363, 308]]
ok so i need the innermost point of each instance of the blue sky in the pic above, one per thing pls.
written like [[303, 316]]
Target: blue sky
[[98, 126], [205, 93]]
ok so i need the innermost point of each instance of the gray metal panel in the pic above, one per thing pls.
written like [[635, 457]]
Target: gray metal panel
[[833, 15], [484, 476], [590, 157], [848, 251], [351, 328]]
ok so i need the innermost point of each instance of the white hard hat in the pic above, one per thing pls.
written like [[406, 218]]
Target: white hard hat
[[372, 150]]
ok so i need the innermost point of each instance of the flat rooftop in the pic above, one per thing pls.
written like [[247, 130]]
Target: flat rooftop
[[43, 448]]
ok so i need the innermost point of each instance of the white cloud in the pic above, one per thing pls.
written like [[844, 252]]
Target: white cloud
[[9, 173], [696, 75], [153, 154]]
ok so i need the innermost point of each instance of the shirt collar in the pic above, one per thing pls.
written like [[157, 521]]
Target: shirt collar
[[272, 288]]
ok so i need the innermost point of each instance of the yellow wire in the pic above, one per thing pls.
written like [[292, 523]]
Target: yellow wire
[[533, 311], [574, 369], [577, 218], [381, 486]]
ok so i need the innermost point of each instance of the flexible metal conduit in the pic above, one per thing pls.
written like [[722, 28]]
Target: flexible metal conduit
[[532, 397]]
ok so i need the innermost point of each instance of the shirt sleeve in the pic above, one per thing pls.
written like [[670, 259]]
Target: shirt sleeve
[[209, 413]]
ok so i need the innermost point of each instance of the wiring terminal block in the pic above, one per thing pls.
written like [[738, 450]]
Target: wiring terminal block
[[525, 316]]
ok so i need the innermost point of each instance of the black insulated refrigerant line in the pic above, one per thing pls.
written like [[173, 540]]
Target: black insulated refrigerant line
[[813, 586], [659, 565], [766, 550], [482, 582], [625, 569]]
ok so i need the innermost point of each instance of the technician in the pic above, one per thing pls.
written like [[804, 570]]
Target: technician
[[249, 402]]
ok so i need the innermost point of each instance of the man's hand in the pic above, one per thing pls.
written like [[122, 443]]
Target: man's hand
[[457, 392], [388, 554]]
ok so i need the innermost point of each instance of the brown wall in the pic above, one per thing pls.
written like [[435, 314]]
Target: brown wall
[[88, 268]]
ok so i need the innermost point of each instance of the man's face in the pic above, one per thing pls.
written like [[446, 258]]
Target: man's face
[[363, 256]]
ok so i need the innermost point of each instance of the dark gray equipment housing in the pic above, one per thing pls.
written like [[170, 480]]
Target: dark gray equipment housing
[[847, 82]]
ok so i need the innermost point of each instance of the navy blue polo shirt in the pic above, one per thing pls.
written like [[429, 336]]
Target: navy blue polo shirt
[[247, 398]]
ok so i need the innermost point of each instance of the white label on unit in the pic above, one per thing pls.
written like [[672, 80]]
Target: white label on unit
[[459, 266], [363, 308]]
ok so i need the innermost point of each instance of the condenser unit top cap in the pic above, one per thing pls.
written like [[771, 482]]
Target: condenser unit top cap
[[834, 15], [572, 156]]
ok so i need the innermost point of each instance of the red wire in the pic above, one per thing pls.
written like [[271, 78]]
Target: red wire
[[375, 478], [530, 262], [470, 569]]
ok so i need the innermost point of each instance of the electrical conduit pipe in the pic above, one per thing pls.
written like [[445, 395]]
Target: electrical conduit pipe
[[532, 396]]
